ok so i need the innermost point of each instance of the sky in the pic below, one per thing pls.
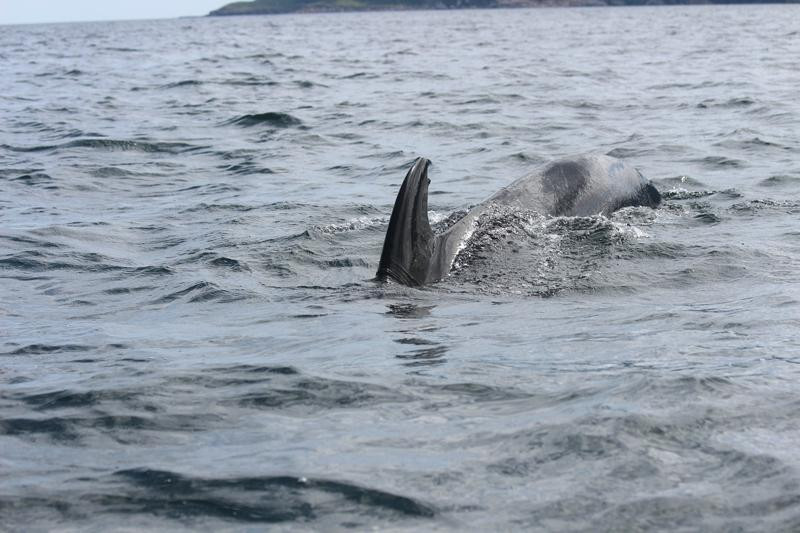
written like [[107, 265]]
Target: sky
[[32, 11]]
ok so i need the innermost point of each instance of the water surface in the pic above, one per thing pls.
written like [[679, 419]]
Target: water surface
[[191, 212]]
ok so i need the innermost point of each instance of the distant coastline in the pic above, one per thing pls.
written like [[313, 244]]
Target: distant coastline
[[273, 7]]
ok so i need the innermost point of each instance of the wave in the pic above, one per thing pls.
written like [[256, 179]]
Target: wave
[[305, 394], [37, 179], [36, 261], [744, 101], [120, 428], [780, 180], [43, 349], [183, 83], [282, 498], [250, 82], [246, 168], [110, 145], [134, 494], [202, 292], [274, 119], [718, 161]]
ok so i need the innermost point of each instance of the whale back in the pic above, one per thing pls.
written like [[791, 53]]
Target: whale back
[[579, 186]]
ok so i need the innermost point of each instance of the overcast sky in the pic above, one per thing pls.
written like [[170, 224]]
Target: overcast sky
[[26, 11]]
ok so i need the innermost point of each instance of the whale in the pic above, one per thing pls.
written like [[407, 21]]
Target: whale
[[578, 186]]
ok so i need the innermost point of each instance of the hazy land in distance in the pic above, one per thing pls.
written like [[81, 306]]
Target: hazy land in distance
[[268, 7]]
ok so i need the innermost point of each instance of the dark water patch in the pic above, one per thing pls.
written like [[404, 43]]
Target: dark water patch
[[234, 155], [229, 264], [718, 161], [414, 341], [43, 349], [124, 429], [246, 168], [56, 429], [27, 278], [743, 101], [122, 49], [273, 119], [213, 259], [182, 83], [780, 180], [206, 208], [256, 499], [236, 376], [32, 124], [11, 173], [257, 369], [202, 292], [250, 500], [751, 144], [35, 180], [251, 81], [64, 399], [35, 261], [428, 356], [29, 241], [150, 271], [356, 75], [118, 291], [111, 145], [296, 393], [707, 218], [305, 84], [481, 100]]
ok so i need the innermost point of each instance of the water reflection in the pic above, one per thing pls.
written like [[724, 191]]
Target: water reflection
[[416, 322], [409, 310]]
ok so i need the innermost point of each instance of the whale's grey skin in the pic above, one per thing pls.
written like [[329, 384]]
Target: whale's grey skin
[[576, 186]]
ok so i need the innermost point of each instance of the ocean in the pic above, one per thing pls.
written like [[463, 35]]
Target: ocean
[[191, 217]]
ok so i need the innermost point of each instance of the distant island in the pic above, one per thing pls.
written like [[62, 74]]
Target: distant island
[[271, 7]]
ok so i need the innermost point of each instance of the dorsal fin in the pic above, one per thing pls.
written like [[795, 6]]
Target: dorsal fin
[[410, 242]]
